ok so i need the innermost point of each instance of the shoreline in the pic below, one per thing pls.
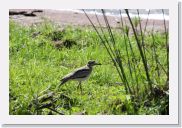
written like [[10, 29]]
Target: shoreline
[[67, 17], [143, 16]]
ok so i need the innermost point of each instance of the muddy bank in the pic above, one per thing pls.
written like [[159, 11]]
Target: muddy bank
[[30, 17]]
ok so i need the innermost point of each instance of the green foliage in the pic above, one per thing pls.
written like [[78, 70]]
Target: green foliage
[[41, 55], [136, 21]]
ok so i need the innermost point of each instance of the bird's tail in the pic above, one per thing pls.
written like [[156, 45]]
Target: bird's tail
[[64, 80]]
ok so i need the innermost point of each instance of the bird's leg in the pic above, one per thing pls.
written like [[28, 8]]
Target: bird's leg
[[80, 85]]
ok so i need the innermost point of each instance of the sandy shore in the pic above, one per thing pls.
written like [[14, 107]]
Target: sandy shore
[[76, 19]]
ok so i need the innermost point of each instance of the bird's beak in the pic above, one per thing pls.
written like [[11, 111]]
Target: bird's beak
[[98, 64]]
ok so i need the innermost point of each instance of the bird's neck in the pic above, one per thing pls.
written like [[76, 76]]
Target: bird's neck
[[89, 66]]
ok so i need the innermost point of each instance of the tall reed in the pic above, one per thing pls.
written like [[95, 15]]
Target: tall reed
[[130, 75]]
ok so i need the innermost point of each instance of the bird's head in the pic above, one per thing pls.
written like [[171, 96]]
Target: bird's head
[[93, 63]]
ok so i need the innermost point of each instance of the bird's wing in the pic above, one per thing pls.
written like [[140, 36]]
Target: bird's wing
[[81, 73]]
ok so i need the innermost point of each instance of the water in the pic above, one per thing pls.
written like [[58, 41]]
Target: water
[[154, 13], [132, 11]]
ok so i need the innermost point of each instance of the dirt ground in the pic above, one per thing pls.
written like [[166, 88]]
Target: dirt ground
[[30, 17]]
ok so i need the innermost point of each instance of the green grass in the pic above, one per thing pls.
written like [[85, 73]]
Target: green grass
[[41, 55]]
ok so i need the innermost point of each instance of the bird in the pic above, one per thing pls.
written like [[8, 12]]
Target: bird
[[80, 74]]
